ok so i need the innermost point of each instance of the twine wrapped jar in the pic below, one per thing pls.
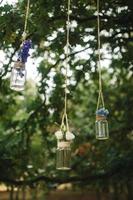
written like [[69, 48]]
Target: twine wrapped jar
[[102, 131], [63, 155], [63, 151]]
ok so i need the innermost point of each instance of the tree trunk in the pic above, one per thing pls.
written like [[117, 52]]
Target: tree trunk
[[34, 194], [24, 192], [130, 190], [17, 193], [11, 194], [116, 192], [98, 195]]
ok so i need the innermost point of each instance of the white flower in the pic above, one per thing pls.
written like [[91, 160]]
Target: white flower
[[59, 135], [69, 135]]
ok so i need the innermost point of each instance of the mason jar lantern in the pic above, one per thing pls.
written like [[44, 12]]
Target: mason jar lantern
[[18, 73], [63, 151], [63, 155], [102, 130], [18, 76]]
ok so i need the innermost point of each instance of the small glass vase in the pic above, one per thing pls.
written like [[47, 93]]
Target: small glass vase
[[63, 155], [18, 76], [102, 130]]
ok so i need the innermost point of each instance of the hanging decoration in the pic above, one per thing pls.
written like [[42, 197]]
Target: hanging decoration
[[18, 73], [63, 152], [64, 136], [102, 132]]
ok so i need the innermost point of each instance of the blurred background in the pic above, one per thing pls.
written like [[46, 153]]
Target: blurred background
[[101, 170]]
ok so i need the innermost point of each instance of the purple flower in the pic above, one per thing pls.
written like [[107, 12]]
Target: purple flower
[[24, 51]]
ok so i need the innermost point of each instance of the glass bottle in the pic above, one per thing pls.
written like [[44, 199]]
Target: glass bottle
[[18, 76], [63, 155], [102, 131]]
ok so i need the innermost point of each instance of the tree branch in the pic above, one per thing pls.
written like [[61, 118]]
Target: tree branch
[[124, 167], [1, 1], [7, 65]]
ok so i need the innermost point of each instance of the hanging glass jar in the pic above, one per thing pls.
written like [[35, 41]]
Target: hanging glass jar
[[63, 151], [18, 73], [102, 131], [63, 155], [18, 76]]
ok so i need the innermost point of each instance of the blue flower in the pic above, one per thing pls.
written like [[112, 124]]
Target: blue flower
[[24, 51], [102, 112]]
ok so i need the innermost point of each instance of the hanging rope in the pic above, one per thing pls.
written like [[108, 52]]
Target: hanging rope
[[100, 95], [26, 20], [64, 117]]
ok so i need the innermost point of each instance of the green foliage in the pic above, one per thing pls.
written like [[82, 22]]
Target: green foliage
[[28, 120]]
